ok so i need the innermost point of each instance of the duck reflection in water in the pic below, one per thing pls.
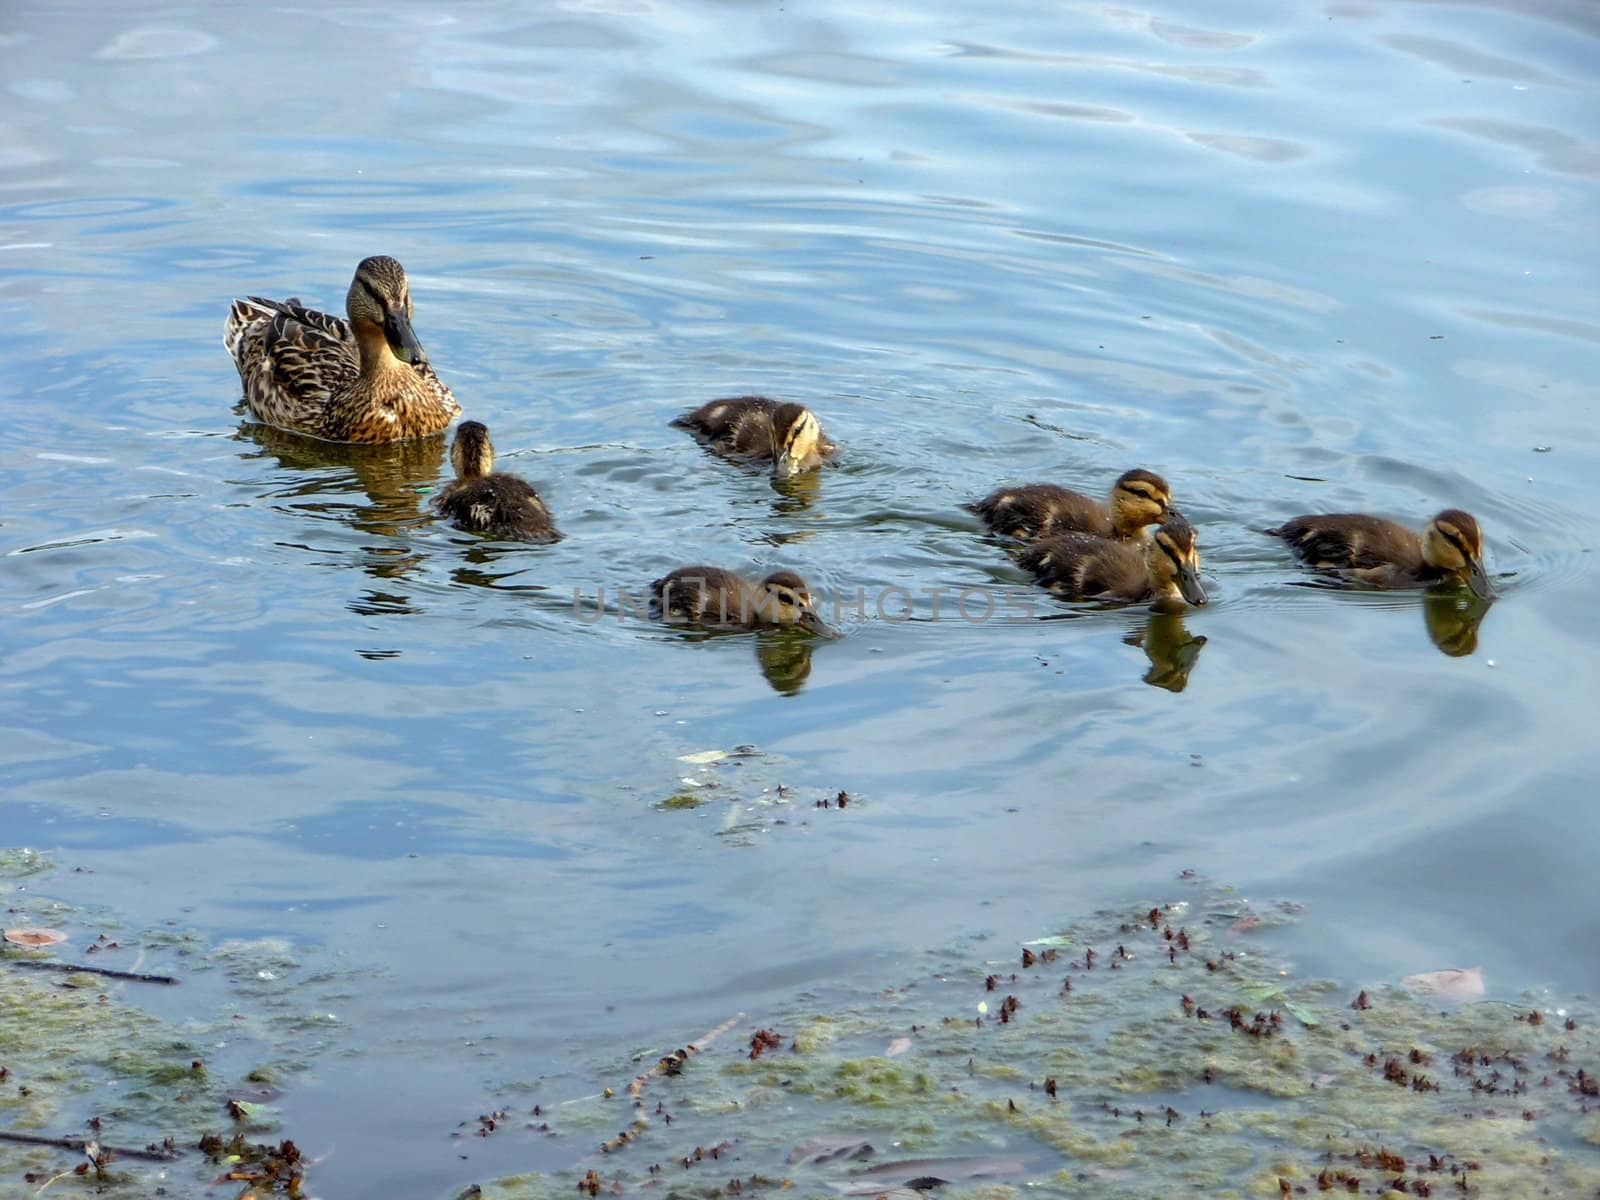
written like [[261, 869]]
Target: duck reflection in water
[[1171, 649], [392, 476], [1452, 617]]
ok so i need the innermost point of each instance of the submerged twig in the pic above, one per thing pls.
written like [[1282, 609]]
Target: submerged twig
[[35, 964], [669, 1064], [150, 1154]]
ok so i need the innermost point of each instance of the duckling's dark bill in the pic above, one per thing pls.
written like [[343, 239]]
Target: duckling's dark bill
[[812, 623], [1478, 580]]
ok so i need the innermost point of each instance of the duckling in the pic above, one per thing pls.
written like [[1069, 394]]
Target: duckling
[[721, 599], [483, 500], [365, 379], [1357, 548], [760, 430], [1081, 566], [1036, 510]]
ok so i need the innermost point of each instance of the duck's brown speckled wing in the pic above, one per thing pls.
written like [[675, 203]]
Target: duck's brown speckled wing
[[1352, 543], [1041, 510], [500, 504], [292, 360]]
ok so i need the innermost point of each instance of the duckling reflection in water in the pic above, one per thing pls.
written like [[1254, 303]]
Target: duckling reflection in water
[[1035, 510], [1356, 548], [1171, 649], [1452, 619], [483, 500], [785, 662], [716, 598], [761, 431], [1080, 566]]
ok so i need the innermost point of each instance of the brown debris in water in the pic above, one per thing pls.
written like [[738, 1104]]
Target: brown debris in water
[[272, 1168], [763, 1040]]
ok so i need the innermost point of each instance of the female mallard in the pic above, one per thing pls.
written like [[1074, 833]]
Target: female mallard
[[721, 599], [761, 431], [1034, 510], [361, 380], [1081, 566], [483, 500], [1356, 548]]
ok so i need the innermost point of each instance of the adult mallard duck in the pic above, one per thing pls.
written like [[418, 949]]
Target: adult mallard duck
[[483, 500], [721, 599], [762, 431], [1034, 510], [1357, 548], [1081, 566], [365, 379]]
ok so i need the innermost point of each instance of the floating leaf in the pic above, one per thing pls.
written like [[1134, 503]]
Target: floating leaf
[[1271, 993], [35, 937], [1452, 984]]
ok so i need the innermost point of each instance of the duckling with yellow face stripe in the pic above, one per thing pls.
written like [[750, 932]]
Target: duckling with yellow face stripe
[[1033, 510], [1361, 549], [483, 500], [762, 431], [1081, 566], [717, 598]]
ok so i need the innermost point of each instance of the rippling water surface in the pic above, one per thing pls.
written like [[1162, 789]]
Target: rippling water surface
[[1295, 257]]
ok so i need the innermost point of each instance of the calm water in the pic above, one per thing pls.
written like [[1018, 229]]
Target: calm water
[[1320, 256]]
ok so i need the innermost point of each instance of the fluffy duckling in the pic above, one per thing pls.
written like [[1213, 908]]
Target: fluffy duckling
[[483, 500], [1036, 510], [721, 599], [1357, 548], [1081, 566], [365, 379], [760, 430]]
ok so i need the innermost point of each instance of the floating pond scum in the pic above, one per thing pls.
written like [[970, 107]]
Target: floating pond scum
[[1163, 1050], [100, 1095], [1166, 1050]]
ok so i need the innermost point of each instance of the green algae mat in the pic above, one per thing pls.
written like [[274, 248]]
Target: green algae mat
[[100, 1095], [1168, 1049], [1171, 1049]]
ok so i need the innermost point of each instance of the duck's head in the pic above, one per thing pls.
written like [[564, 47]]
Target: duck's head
[[472, 453], [379, 306], [1173, 557], [1139, 498], [1453, 542], [796, 440], [786, 600]]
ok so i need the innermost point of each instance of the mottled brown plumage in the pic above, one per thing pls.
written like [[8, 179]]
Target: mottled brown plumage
[[483, 500], [1033, 510], [721, 599], [365, 379], [1361, 549], [761, 431], [1081, 566]]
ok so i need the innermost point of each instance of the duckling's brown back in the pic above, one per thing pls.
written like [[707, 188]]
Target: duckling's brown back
[[1041, 510]]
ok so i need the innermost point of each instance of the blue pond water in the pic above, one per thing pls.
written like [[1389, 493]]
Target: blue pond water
[[1294, 257]]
